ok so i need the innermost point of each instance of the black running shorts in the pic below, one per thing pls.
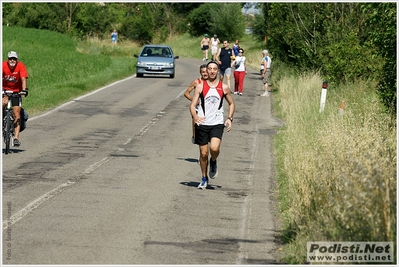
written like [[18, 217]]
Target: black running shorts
[[16, 101], [204, 133]]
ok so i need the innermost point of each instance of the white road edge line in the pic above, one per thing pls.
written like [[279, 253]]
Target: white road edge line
[[42, 199]]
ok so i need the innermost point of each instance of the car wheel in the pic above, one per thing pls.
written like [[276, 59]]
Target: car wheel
[[172, 75], [139, 75]]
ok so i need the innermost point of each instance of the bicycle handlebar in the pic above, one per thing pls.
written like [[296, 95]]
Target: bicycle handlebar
[[10, 93]]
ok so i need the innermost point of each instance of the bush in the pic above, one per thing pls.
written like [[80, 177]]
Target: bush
[[347, 61]]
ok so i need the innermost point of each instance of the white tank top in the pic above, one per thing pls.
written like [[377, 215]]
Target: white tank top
[[212, 104], [214, 42]]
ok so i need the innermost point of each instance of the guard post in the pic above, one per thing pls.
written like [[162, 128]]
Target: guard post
[[323, 96]]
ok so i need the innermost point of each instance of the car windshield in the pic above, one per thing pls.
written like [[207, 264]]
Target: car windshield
[[156, 52]]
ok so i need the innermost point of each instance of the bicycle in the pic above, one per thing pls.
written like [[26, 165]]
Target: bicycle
[[8, 120]]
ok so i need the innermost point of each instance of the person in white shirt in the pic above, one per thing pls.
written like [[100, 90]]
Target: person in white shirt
[[215, 46], [240, 70], [267, 61]]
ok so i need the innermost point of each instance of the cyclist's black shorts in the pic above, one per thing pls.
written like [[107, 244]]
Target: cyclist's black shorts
[[16, 100], [204, 133]]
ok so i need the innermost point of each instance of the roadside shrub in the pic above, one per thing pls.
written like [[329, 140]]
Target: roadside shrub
[[347, 60]]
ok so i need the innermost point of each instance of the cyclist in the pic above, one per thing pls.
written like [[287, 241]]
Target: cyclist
[[15, 78]]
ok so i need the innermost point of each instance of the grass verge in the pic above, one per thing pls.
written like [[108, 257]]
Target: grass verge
[[61, 68], [336, 173]]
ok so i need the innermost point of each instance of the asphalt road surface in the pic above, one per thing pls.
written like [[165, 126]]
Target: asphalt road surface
[[111, 178]]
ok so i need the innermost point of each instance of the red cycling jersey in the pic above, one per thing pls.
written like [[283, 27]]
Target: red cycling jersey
[[12, 79]]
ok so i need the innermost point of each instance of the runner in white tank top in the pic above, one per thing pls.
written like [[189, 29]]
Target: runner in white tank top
[[211, 106], [209, 121]]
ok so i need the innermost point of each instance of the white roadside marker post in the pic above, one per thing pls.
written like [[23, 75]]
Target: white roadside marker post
[[323, 96]]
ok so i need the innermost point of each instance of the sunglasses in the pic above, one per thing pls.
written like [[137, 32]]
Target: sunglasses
[[13, 58]]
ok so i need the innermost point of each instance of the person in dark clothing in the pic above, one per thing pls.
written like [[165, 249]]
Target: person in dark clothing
[[225, 56]]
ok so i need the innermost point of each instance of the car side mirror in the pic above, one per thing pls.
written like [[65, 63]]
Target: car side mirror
[[135, 55], [176, 57]]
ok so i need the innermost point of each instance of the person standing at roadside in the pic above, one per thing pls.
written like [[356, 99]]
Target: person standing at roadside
[[215, 46], [239, 72], [15, 78], [205, 46], [225, 56], [191, 87], [236, 47], [114, 37], [209, 121], [267, 62]]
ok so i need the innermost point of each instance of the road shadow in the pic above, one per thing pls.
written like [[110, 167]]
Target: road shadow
[[195, 184], [13, 150], [192, 160], [156, 76]]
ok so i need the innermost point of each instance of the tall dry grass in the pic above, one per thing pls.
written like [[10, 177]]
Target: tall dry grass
[[337, 173]]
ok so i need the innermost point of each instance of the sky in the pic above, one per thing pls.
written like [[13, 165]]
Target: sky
[[253, 10]]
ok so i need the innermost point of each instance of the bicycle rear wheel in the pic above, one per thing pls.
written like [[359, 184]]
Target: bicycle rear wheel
[[7, 132]]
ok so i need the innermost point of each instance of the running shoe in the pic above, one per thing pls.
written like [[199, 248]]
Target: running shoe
[[204, 183], [17, 142], [265, 94], [213, 169], [240, 94]]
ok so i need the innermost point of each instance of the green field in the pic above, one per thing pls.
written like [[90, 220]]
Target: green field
[[60, 68]]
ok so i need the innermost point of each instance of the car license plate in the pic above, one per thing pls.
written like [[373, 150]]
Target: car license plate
[[155, 68]]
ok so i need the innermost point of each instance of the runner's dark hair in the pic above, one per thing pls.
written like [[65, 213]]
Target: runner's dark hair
[[212, 61]]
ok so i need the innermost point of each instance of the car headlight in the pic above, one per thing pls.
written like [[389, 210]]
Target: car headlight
[[139, 63], [170, 64]]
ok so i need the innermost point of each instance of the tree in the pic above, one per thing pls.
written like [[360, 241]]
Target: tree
[[98, 18], [327, 37], [382, 33], [139, 24], [227, 21], [224, 19], [199, 19]]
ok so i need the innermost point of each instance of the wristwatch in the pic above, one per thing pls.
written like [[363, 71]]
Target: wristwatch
[[231, 119]]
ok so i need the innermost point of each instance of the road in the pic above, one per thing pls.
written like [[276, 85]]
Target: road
[[111, 178]]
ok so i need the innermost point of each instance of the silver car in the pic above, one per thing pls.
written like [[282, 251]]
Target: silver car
[[156, 60]]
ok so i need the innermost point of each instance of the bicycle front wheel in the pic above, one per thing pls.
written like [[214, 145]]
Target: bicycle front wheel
[[7, 132]]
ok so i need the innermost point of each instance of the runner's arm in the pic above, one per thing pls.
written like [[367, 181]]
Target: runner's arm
[[198, 120], [230, 101], [218, 56], [191, 87]]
